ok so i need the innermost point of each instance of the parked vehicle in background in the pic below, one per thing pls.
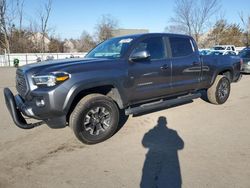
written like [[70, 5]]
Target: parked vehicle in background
[[246, 48], [239, 49], [245, 56], [125, 75], [214, 52], [204, 51], [232, 53], [223, 48]]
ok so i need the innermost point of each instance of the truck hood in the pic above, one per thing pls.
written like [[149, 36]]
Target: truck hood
[[60, 64]]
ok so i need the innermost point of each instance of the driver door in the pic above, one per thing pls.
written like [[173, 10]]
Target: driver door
[[150, 78]]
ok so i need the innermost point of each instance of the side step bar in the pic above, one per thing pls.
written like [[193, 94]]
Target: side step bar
[[161, 104]]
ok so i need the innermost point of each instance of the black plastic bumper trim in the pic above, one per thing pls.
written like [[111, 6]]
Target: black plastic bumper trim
[[15, 112]]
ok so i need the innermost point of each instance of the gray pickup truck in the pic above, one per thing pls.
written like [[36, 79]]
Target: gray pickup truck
[[126, 75]]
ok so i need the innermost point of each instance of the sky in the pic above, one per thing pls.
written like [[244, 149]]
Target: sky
[[69, 18]]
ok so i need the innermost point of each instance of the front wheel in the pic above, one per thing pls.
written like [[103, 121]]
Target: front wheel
[[94, 119], [219, 92]]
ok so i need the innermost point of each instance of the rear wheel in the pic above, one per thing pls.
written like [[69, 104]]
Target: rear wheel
[[219, 92], [94, 119]]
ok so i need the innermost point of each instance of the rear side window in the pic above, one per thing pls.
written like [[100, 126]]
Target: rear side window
[[181, 46], [154, 46]]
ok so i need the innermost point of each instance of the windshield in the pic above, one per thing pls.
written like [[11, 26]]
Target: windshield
[[112, 49]]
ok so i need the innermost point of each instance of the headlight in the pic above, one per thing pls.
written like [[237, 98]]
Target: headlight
[[51, 79], [248, 62]]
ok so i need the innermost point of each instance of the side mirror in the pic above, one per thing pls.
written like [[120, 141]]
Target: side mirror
[[139, 56]]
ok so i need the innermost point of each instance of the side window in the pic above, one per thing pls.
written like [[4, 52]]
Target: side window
[[228, 48], [181, 46], [233, 48], [154, 46]]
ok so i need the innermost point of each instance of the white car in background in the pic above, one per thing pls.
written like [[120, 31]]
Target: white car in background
[[218, 52], [224, 48], [204, 51]]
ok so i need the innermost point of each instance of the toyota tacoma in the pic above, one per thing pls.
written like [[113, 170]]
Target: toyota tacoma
[[125, 75]]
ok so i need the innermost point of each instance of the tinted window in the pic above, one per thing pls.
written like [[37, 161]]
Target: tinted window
[[215, 53], [218, 48], [181, 46], [153, 45], [230, 53]]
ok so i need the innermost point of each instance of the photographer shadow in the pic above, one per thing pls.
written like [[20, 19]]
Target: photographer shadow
[[161, 167]]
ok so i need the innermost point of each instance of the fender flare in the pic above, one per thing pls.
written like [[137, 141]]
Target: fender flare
[[115, 93], [218, 72]]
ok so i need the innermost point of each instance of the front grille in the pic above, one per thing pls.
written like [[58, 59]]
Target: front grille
[[21, 84]]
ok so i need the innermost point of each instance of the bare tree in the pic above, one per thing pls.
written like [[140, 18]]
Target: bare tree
[[86, 42], [193, 15], [20, 4], [55, 45], [183, 15], [105, 27], [219, 31], [4, 40], [176, 29], [223, 33], [33, 29], [14, 37], [11, 12], [246, 25], [44, 18]]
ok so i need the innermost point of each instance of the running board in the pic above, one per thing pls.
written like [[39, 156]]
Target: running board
[[161, 104]]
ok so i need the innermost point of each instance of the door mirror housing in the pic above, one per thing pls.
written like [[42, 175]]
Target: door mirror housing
[[139, 56]]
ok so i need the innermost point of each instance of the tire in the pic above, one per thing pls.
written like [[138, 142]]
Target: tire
[[94, 119], [238, 78], [219, 92]]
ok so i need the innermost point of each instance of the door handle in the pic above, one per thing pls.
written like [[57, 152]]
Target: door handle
[[164, 67]]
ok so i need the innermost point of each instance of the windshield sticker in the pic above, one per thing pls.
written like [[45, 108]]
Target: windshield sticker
[[128, 40]]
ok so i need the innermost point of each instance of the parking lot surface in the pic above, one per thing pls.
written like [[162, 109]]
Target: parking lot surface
[[193, 145]]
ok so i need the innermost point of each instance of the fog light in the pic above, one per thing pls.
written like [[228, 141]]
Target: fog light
[[40, 102]]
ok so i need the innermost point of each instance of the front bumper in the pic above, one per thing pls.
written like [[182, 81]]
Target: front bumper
[[15, 112], [17, 108]]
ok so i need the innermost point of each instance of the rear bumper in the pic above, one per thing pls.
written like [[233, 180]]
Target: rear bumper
[[245, 68], [245, 71], [17, 108]]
